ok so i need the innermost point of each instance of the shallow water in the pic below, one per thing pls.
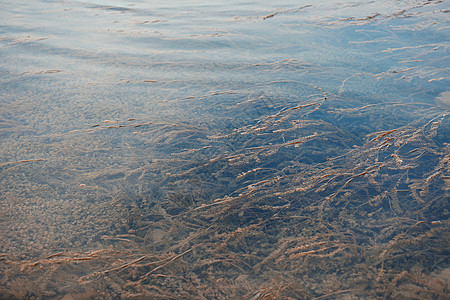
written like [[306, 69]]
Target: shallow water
[[224, 150]]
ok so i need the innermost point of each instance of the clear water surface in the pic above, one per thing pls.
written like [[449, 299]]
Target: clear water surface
[[224, 149]]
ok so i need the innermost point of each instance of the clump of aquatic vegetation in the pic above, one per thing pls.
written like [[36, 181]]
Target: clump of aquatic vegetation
[[286, 206]]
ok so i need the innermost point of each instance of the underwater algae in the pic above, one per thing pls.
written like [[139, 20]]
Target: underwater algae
[[368, 221], [199, 171]]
